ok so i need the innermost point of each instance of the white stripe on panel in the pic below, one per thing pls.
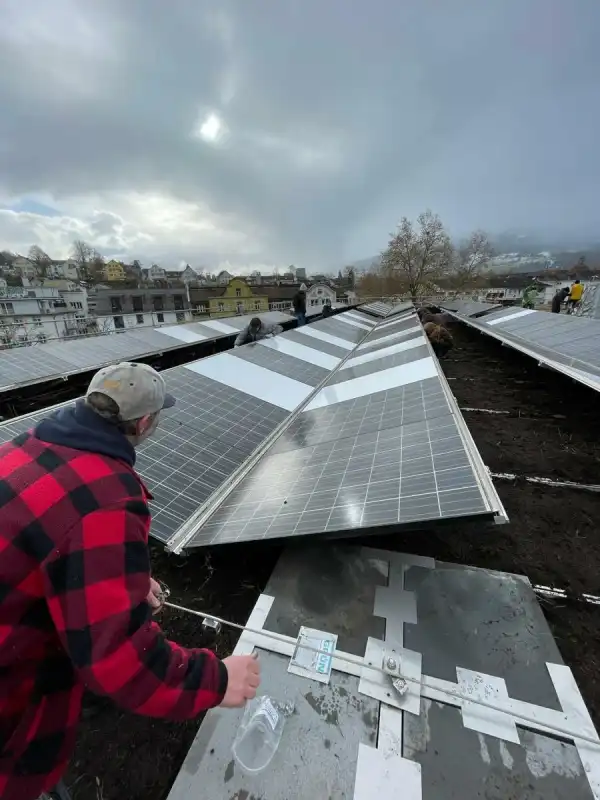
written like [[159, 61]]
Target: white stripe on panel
[[253, 380], [216, 325], [360, 318], [384, 352], [399, 335], [390, 378], [301, 351], [521, 313], [398, 321], [181, 333], [352, 321], [310, 330]]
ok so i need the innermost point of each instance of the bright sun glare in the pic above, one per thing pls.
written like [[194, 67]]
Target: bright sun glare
[[211, 128]]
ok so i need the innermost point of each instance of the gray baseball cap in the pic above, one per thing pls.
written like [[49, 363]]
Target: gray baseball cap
[[137, 389]]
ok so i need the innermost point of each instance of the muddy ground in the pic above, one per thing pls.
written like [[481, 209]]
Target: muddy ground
[[552, 431]]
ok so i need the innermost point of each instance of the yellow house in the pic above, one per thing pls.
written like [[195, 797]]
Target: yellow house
[[236, 298], [114, 271]]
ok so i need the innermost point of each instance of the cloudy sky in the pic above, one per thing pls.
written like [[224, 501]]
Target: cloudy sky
[[263, 132]]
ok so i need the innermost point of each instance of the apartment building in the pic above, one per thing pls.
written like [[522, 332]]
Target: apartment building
[[118, 309], [31, 313]]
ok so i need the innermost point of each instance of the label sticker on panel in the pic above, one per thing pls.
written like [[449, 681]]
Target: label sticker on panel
[[308, 663]]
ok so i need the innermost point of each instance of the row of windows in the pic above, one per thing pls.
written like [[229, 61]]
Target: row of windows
[[139, 319], [202, 308], [158, 303]]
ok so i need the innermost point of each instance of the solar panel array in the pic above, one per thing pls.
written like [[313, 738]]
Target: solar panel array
[[25, 365], [470, 308], [564, 342], [368, 437], [377, 308]]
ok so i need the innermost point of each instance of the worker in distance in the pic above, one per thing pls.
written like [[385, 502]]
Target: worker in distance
[[255, 331], [76, 594]]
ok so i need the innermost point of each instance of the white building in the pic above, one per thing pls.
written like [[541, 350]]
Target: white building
[[224, 277], [40, 313], [318, 294], [24, 267], [63, 269], [154, 273]]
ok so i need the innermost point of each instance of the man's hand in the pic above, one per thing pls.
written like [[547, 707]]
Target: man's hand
[[243, 680], [155, 596]]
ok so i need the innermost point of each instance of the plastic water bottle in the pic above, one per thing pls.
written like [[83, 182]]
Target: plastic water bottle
[[259, 734]]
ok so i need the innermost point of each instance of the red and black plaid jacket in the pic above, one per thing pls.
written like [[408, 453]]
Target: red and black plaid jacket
[[74, 577]]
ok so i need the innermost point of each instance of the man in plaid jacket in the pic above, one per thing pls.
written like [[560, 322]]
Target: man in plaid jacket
[[76, 594]]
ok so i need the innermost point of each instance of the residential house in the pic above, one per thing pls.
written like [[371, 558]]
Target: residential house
[[118, 309], [508, 289], [24, 267], [63, 269], [348, 296], [236, 298], [31, 313], [154, 273], [184, 274], [280, 297], [114, 271], [318, 294], [224, 277]]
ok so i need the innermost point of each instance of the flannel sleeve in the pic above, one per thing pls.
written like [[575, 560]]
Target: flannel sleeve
[[96, 586]]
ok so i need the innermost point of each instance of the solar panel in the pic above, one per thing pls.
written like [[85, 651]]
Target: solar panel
[[24, 365], [377, 308], [567, 343], [379, 444], [469, 308], [369, 437]]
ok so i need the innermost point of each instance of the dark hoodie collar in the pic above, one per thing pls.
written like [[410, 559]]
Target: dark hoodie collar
[[82, 429]]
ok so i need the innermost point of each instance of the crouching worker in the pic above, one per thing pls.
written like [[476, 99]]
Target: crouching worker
[[439, 338], [256, 330], [77, 597]]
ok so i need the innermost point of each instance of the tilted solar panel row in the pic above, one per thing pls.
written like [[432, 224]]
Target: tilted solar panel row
[[339, 426], [24, 365], [564, 342]]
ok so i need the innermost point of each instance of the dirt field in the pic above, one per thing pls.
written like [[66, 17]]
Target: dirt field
[[552, 431]]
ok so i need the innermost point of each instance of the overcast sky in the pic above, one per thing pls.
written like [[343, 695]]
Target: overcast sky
[[293, 131]]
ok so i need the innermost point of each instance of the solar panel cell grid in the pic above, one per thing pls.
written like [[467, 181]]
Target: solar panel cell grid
[[399, 476], [403, 405], [374, 366], [338, 328], [282, 363], [338, 349]]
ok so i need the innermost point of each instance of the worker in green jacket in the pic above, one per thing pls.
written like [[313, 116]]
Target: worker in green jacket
[[530, 295]]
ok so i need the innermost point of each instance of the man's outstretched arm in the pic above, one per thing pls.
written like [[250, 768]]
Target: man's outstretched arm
[[97, 585]]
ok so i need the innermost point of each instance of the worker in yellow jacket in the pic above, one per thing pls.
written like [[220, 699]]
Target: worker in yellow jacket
[[575, 295]]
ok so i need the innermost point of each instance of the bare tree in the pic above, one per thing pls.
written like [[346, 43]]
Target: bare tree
[[350, 275], [470, 261], [41, 260], [95, 267], [82, 254], [380, 282], [420, 255]]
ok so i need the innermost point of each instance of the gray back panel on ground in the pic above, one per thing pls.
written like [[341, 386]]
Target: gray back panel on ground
[[470, 618]]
